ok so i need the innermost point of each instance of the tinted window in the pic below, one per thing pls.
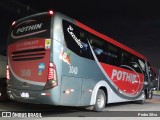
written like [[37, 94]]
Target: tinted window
[[135, 64], [76, 40], [114, 55], [126, 58], [99, 47]]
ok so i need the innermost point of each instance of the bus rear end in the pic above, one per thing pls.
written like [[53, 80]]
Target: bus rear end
[[31, 73]]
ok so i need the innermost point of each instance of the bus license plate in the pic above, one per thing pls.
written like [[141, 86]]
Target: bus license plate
[[24, 95]]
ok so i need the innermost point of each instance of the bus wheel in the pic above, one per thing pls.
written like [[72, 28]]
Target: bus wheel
[[143, 99], [100, 101]]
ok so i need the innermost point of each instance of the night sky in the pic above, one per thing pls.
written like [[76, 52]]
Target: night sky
[[135, 23]]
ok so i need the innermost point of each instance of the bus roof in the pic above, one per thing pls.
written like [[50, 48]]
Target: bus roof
[[109, 39]]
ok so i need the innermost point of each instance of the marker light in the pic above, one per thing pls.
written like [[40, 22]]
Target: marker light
[[7, 73], [14, 22], [45, 94], [51, 12]]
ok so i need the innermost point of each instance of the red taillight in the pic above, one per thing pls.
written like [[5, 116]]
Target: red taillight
[[51, 71], [51, 12], [52, 77], [7, 73]]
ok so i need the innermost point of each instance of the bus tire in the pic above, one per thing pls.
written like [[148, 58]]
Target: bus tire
[[143, 99], [100, 101]]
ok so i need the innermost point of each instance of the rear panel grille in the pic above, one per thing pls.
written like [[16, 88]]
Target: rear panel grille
[[26, 55]]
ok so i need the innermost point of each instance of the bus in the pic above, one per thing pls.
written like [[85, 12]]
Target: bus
[[54, 59]]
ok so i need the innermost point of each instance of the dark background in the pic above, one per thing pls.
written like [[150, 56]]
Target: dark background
[[135, 23]]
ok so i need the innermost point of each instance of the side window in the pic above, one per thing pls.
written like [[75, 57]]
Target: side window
[[114, 55], [142, 64], [136, 65], [76, 40], [71, 35], [126, 60], [85, 51], [100, 48]]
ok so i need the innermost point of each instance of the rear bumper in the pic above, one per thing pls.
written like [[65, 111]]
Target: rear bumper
[[37, 97]]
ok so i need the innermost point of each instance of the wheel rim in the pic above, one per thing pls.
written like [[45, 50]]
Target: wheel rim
[[100, 101]]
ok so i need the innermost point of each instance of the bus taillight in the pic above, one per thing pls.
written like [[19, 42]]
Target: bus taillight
[[7, 73], [51, 12], [52, 77]]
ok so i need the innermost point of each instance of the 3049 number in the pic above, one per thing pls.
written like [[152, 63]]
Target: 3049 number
[[73, 70]]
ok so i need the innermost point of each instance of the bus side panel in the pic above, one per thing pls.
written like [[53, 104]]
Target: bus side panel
[[79, 77], [87, 90], [70, 91]]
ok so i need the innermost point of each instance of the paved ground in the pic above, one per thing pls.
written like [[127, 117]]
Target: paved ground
[[116, 111]]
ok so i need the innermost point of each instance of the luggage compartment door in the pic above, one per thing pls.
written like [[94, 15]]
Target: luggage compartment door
[[70, 91]]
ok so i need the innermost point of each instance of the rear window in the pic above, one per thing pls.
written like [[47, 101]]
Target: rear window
[[37, 26]]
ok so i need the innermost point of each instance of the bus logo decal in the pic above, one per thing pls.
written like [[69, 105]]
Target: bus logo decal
[[78, 41], [25, 29], [124, 76], [29, 28]]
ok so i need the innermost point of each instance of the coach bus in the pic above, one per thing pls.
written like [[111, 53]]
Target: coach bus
[[54, 59]]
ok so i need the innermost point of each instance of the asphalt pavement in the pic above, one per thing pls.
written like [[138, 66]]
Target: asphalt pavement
[[150, 110]]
